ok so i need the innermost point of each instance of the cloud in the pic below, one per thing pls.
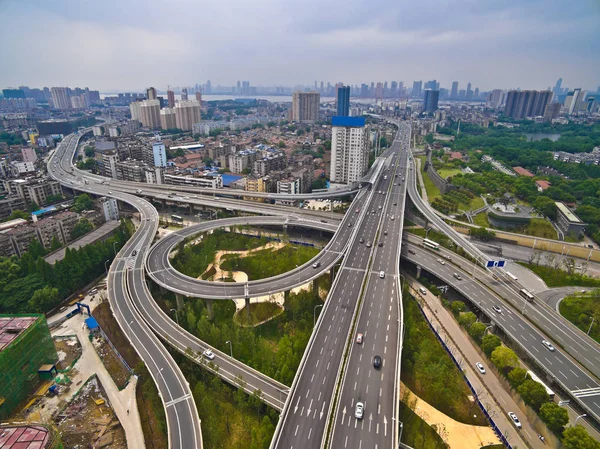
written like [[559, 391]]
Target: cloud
[[129, 45]]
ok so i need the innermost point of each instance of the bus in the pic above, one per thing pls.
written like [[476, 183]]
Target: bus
[[533, 377], [512, 276], [431, 244], [177, 218], [525, 294]]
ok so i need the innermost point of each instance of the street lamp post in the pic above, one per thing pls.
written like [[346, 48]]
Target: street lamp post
[[580, 416], [114, 249], [105, 268], [230, 348], [176, 316], [486, 329], [591, 324], [315, 314], [427, 232]]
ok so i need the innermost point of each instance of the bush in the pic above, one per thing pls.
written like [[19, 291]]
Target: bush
[[457, 307], [477, 330], [467, 319]]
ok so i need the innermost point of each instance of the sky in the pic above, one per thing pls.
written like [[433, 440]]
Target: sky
[[128, 45]]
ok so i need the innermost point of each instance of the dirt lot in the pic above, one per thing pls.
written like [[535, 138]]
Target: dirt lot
[[115, 367], [68, 350], [84, 423]]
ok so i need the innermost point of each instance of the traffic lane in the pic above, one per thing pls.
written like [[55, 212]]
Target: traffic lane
[[374, 387], [575, 342], [310, 402], [556, 362]]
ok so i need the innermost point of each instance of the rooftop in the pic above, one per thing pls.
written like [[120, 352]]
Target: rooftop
[[543, 184], [355, 122], [11, 327], [12, 223], [567, 213], [523, 171], [24, 437]]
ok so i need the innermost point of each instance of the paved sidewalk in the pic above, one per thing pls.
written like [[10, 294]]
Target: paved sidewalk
[[90, 363], [497, 400]]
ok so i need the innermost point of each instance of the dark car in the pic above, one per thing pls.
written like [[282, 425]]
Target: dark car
[[377, 362]]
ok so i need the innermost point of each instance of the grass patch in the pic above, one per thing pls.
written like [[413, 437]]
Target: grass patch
[[209, 274], [539, 227], [193, 260], [579, 309], [416, 432], [259, 312], [447, 172], [430, 373], [554, 277], [481, 219], [432, 191], [408, 223], [267, 263]]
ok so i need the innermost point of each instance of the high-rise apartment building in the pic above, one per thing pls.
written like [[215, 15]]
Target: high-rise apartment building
[[150, 113], [430, 100], [199, 97], [343, 101], [160, 154], [171, 98], [495, 98], [552, 111], [135, 108], [526, 103], [469, 92], [151, 93], [167, 119], [187, 112], [184, 94], [454, 91], [61, 97], [305, 107], [416, 90], [349, 149]]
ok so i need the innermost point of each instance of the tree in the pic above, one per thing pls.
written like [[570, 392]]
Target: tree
[[504, 358], [533, 393], [457, 307], [82, 227], [477, 330], [489, 343], [55, 244], [89, 151], [19, 214], [33, 206], [576, 437], [466, 319], [281, 144], [555, 416], [545, 206], [517, 376], [44, 299], [83, 202], [482, 234]]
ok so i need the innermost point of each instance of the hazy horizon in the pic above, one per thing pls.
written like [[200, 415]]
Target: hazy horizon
[[117, 47]]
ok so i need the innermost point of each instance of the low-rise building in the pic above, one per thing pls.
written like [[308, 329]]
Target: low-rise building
[[47, 230], [21, 237], [567, 221], [542, 185], [131, 170], [110, 208], [67, 221], [205, 181], [9, 204]]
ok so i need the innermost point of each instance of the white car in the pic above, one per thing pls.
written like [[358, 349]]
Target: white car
[[480, 367], [382, 274], [548, 345], [497, 309], [515, 420], [441, 261], [208, 354], [359, 410]]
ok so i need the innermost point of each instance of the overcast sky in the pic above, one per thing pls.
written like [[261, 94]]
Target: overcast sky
[[120, 45]]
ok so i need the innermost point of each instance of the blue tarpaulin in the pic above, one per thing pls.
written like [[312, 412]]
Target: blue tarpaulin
[[91, 323]]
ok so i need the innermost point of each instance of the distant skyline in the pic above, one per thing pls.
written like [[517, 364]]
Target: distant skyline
[[127, 46]]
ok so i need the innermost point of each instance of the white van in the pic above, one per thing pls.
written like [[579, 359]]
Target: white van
[[422, 290]]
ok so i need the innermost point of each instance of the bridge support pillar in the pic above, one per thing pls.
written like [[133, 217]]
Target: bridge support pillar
[[286, 298], [418, 271], [332, 274], [247, 307], [315, 287], [179, 299], [191, 209], [163, 203], [210, 310]]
